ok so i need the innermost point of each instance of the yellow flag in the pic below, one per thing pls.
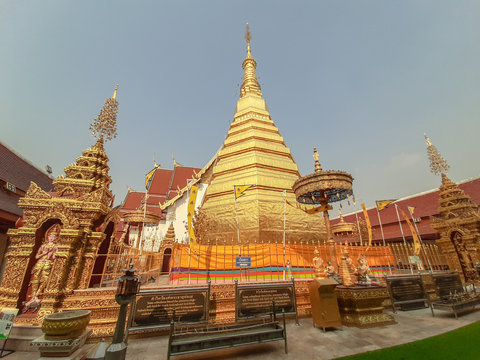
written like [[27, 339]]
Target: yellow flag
[[416, 240], [312, 211], [149, 177], [369, 226], [318, 209], [411, 209], [240, 189], [382, 204], [191, 211]]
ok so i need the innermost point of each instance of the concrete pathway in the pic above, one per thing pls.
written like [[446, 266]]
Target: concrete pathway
[[306, 342]]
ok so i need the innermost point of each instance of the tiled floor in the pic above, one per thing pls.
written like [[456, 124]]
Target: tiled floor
[[306, 342]]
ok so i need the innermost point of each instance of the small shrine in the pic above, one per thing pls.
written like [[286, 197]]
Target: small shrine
[[458, 222], [56, 248]]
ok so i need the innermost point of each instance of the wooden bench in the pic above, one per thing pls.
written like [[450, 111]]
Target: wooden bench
[[451, 294], [408, 292], [187, 341]]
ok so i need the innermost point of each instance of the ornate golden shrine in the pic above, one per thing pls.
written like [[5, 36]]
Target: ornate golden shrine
[[458, 222], [81, 207]]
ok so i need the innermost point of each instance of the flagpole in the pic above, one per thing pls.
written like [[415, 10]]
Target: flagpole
[[403, 236], [420, 238], [143, 222], [284, 227], [189, 244], [358, 224], [381, 228]]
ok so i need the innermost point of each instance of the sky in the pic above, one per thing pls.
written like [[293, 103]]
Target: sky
[[360, 80]]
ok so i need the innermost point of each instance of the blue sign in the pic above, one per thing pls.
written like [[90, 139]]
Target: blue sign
[[243, 261]]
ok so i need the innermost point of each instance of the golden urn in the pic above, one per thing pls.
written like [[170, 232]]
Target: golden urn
[[66, 324]]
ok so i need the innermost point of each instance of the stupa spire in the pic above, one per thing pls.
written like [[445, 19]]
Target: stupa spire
[[105, 124], [250, 85], [438, 165]]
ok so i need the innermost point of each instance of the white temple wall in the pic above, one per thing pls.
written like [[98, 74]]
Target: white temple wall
[[177, 214]]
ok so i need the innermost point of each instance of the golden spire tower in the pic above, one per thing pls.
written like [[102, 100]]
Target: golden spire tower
[[254, 153]]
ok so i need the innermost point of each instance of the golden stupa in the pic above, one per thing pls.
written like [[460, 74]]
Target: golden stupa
[[254, 153]]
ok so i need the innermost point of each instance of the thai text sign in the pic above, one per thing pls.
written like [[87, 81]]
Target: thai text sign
[[243, 261], [254, 300], [156, 308]]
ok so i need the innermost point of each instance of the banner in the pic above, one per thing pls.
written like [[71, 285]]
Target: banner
[[239, 190], [265, 261], [191, 211], [382, 204], [416, 240], [369, 226]]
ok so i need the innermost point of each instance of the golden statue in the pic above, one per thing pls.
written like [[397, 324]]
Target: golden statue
[[464, 257], [318, 265], [43, 266], [363, 270]]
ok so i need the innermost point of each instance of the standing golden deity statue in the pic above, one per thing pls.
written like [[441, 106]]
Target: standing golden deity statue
[[43, 266]]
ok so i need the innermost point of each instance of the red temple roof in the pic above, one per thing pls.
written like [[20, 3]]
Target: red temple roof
[[19, 172], [426, 204]]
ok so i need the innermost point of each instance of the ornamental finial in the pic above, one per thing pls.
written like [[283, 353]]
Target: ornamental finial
[[105, 124], [318, 167], [438, 165], [250, 85], [248, 35]]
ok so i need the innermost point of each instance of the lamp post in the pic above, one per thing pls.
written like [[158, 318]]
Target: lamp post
[[128, 286]]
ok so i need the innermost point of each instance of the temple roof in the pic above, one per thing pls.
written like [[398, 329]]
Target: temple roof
[[19, 172], [132, 200], [164, 186]]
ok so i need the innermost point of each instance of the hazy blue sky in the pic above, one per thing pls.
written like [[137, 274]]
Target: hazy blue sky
[[361, 80]]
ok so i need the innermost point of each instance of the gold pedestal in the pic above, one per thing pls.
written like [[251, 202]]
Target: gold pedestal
[[361, 306]]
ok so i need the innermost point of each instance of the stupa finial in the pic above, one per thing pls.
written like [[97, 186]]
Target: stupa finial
[[318, 167], [438, 165], [105, 124], [114, 96], [250, 83]]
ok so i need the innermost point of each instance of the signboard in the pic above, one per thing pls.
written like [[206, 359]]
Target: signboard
[[256, 299], [155, 308], [406, 288], [243, 261], [7, 318]]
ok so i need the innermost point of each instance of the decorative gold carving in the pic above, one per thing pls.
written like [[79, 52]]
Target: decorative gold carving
[[362, 306], [105, 124], [36, 192], [438, 165]]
